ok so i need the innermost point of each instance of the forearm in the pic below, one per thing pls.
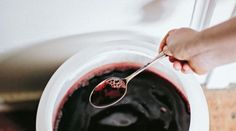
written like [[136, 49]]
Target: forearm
[[221, 40], [201, 51], [224, 33]]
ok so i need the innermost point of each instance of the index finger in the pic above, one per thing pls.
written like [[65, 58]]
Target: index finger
[[163, 42]]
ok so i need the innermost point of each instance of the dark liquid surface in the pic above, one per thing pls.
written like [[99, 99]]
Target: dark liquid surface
[[152, 104]]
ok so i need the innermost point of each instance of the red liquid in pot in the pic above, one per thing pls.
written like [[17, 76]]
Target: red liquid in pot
[[152, 103]]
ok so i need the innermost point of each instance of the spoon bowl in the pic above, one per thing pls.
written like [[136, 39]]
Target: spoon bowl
[[108, 92], [113, 89]]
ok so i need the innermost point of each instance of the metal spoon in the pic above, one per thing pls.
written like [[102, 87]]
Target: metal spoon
[[112, 90]]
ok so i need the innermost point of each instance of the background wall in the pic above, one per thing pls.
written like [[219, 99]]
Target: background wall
[[27, 22]]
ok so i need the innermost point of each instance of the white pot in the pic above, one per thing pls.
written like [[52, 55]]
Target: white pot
[[127, 50]]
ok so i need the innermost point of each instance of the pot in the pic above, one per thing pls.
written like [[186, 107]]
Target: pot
[[117, 51]]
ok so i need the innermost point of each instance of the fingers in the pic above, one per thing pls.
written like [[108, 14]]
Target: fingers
[[167, 51], [172, 59], [182, 66], [164, 40], [163, 43], [177, 65], [186, 68]]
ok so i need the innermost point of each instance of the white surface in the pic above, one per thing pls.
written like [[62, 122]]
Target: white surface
[[223, 11], [28, 21], [222, 76]]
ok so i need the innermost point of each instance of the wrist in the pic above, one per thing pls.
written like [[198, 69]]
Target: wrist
[[202, 42], [197, 45]]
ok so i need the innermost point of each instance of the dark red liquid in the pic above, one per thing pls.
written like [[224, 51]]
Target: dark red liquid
[[106, 94], [152, 103]]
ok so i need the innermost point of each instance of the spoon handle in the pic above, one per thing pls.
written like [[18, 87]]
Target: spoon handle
[[159, 56]]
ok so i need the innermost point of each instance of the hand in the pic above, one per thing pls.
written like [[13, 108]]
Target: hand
[[190, 50], [183, 46]]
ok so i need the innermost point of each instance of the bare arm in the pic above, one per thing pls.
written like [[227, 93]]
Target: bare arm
[[201, 51]]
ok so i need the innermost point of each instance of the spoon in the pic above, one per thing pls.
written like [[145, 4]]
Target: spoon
[[113, 89]]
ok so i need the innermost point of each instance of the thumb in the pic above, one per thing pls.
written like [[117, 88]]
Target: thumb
[[167, 51]]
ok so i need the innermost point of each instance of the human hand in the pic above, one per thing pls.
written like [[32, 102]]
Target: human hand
[[185, 51]]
